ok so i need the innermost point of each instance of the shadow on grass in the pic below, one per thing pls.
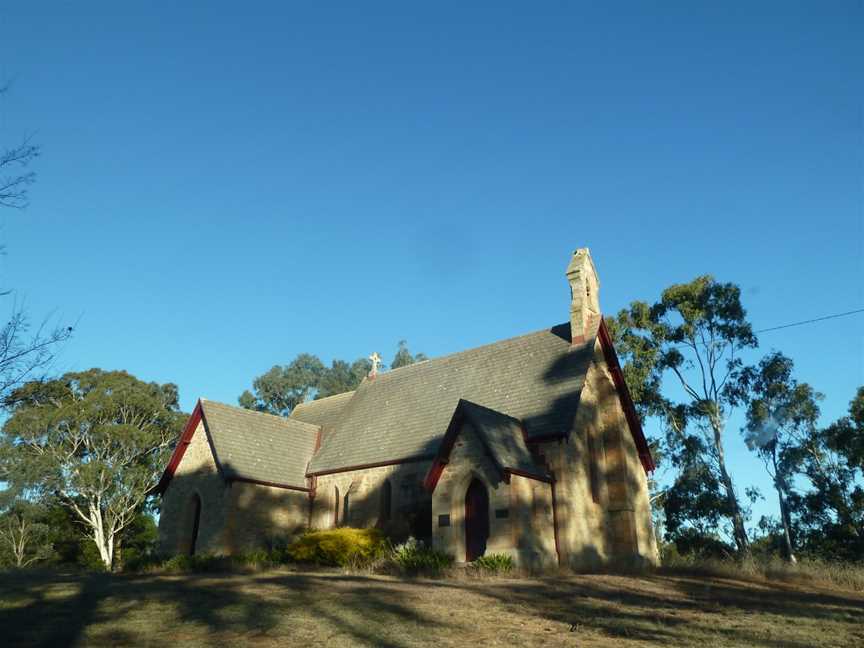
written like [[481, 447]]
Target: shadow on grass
[[105, 609], [670, 614], [49, 609]]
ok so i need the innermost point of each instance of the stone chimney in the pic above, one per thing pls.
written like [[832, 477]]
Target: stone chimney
[[584, 296]]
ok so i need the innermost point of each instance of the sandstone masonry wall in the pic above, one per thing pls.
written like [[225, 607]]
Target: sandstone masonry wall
[[196, 474]]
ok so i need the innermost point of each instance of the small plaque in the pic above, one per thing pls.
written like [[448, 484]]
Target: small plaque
[[502, 513], [443, 520]]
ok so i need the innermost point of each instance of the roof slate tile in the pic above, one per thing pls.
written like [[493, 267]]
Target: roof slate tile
[[257, 446], [536, 378]]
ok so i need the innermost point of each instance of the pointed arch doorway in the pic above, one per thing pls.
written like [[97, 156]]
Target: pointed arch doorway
[[476, 520], [196, 521]]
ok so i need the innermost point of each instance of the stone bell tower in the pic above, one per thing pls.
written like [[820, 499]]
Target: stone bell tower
[[584, 296]]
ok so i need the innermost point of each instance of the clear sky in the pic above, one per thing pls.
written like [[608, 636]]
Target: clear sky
[[224, 185]]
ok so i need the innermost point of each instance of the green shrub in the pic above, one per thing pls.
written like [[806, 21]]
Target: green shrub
[[179, 563], [344, 547], [495, 563], [414, 557], [257, 558], [143, 563], [199, 563]]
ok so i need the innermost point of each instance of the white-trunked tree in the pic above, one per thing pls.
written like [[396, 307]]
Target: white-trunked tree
[[97, 440]]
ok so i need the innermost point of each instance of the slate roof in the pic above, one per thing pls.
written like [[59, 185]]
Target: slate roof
[[257, 446], [502, 436], [404, 413], [322, 412]]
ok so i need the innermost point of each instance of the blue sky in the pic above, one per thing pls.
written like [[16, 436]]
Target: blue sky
[[225, 185]]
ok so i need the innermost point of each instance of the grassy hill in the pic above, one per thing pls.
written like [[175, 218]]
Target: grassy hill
[[288, 608]]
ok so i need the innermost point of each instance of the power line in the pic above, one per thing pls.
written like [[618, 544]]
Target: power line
[[777, 328], [810, 321]]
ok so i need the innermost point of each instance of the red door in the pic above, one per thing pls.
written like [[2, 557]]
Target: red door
[[476, 520]]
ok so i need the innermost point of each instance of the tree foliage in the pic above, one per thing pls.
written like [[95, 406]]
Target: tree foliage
[[831, 512], [342, 377], [403, 356], [96, 440], [693, 334], [284, 387], [25, 538], [782, 413]]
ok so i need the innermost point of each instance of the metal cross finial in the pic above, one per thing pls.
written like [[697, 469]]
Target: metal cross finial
[[376, 360]]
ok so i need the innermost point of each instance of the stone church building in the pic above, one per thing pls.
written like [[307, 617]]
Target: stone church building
[[528, 446]]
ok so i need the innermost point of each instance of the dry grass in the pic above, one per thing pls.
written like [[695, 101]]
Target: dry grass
[[839, 575], [287, 608]]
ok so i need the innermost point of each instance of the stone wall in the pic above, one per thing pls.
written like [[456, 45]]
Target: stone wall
[[235, 516], [361, 498], [601, 497], [196, 475], [604, 517], [260, 515], [520, 513]]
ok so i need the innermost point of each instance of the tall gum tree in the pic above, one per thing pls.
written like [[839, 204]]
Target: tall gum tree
[[781, 417], [832, 511], [694, 335], [96, 440]]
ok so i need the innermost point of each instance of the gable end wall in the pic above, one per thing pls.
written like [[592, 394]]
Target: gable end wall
[[617, 527], [196, 473]]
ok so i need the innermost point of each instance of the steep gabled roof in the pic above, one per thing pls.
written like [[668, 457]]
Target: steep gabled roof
[[404, 413], [322, 412], [503, 437], [248, 445], [259, 447]]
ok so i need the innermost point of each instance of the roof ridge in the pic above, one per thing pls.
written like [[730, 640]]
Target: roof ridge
[[321, 400], [471, 350], [464, 401], [281, 419]]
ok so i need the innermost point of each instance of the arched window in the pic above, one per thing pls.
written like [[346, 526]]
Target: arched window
[[345, 517], [336, 502], [195, 515], [386, 500]]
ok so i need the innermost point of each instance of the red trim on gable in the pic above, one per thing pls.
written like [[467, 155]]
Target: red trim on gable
[[180, 449], [624, 395], [446, 447], [434, 475], [443, 456]]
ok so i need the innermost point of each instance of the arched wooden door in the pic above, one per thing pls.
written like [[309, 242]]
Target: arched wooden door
[[476, 520], [196, 521]]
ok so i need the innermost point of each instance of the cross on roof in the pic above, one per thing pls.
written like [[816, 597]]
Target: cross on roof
[[376, 360]]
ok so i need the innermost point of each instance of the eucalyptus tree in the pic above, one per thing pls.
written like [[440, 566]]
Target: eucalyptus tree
[[781, 417], [97, 441], [25, 538], [341, 377], [692, 336], [283, 387], [403, 356], [832, 510]]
